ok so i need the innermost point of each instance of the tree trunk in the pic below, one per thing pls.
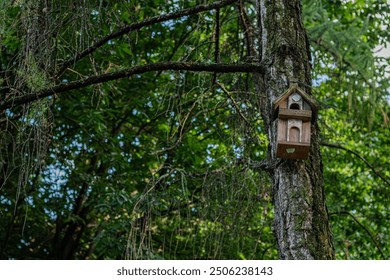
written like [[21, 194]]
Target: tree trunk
[[301, 224]]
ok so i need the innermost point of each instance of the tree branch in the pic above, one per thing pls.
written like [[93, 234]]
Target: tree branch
[[216, 39], [363, 227], [359, 156], [160, 66], [138, 26], [249, 31]]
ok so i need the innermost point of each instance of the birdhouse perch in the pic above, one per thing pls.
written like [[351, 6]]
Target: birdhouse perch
[[295, 111]]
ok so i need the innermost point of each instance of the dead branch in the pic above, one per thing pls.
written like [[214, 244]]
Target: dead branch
[[160, 66], [139, 25]]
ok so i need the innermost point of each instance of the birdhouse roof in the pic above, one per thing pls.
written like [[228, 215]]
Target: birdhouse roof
[[295, 89]]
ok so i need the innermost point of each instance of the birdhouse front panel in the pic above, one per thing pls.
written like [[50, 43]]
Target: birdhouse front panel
[[294, 116], [293, 140]]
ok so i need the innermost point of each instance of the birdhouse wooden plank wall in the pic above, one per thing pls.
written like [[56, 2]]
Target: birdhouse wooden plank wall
[[295, 111]]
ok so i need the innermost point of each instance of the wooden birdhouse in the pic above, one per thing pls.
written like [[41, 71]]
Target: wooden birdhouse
[[295, 111]]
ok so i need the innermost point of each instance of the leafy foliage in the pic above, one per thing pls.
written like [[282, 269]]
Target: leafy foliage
[[353, 89]]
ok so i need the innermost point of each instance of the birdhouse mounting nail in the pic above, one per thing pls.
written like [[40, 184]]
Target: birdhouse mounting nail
[[295, 111]]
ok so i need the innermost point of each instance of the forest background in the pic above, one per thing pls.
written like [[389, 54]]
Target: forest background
[[166, 163]]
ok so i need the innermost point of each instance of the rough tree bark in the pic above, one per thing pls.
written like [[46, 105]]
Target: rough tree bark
[[301, 224]]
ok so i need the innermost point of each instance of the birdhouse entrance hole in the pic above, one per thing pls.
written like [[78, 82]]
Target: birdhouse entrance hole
[[295, 106]]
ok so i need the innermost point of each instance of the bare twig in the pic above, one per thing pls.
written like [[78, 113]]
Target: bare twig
[[10, 119], [138, 26], [363, 227], [234, 102], [359, 156]]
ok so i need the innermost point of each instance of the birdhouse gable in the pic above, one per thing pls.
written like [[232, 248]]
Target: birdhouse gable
[[296, 99]]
